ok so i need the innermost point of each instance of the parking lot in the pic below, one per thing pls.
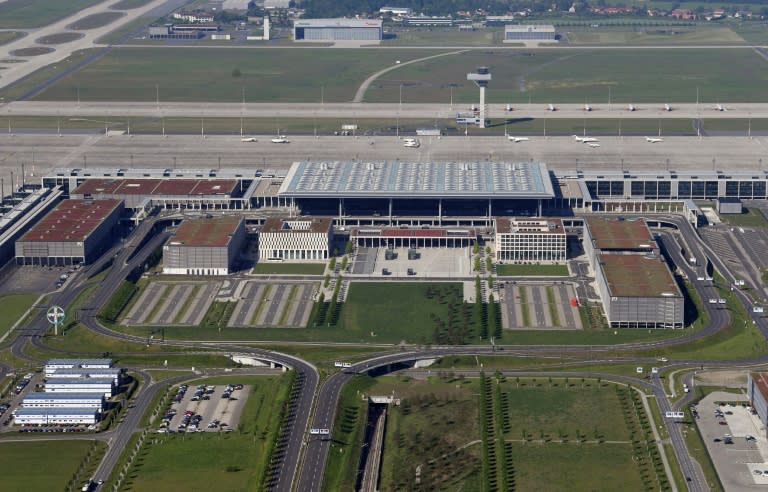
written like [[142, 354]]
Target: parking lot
[[35, 279], [285, 304], [735, 440], [539, 307], [172, 303], [205, 408]]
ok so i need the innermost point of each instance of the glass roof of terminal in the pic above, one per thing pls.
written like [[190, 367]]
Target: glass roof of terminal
[[418, 179]]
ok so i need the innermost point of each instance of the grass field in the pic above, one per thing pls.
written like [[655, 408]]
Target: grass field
[[132, 74], [40, 465], [13, 307], [650, 35], [445, 37], [577, 76], [749, 217], [290, 268], [532, 270], [552, 437], [215, 461], [37, 13]]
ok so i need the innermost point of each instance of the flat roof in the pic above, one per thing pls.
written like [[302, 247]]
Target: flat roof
[[62, 396], [92, 381], [529, 28], [529, 225], [155, 186], [619, 234], [137, 186], [298, 225], [761, 381], [637, 275], [79, 362], [57, 411], [215, 232], [340, 22], [214, 187], [71, 221], [383, 179]]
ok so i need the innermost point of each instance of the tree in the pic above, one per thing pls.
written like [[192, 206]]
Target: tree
[[236, 72]]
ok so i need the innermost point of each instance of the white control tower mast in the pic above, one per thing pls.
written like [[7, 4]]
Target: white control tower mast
[[481, 78]]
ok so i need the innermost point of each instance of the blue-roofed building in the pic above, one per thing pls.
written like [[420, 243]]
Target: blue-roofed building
[[46, 416], [64, 400]]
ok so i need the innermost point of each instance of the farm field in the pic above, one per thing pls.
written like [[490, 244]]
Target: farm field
[[501, 433], [578, 76], [37, 13], [232, 461], [296, 75]]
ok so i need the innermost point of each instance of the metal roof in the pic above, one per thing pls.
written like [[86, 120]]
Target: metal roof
[[96, 380], [63, 396], [28, 411], [371, 23], [383, 179], [71, 221], [78, 362]]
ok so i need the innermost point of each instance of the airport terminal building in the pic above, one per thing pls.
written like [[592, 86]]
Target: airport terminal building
[[325, 30], [530, 240]]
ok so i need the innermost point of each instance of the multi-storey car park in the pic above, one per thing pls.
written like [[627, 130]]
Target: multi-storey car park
[[204, 246]]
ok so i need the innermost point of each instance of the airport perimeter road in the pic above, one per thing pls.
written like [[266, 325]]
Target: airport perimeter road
[[377, 110]]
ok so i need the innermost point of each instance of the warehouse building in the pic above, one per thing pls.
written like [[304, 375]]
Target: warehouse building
[[295, 239], [635, 285], [48, 416], [757, 391], [76, 231], [530, 240], [432, 21], [77, 373], [515, 33], [324, 30], [204, 246], [54, 365], [64, 400], [105, 386]]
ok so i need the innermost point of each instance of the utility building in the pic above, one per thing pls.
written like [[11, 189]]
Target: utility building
[[530, 239], [320, 30], [76, 231], [204, 246], [295, 239]]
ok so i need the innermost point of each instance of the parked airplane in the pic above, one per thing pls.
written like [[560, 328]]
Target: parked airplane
[[593, 145], [585, 139], [653, 140], [248, 139], [587, 107], [631, 107], [517, 139], [720, 107], [411, 142], [551, 107], [280, 139], [509, 107], [667, 107]]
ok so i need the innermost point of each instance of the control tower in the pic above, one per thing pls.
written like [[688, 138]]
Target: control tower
[[481, 77]]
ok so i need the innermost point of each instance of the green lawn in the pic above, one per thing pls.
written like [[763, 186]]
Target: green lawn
[[532, 270], [40, 465], [296, 75], [290, 268], [749, 217], [13, 307], [651, 35], [576, 75], [214, 461], [37, 13]]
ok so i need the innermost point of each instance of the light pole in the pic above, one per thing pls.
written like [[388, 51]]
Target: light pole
[[401, 97]]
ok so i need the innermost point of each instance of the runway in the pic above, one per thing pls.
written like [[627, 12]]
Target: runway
[[352, 110], [41, 152]]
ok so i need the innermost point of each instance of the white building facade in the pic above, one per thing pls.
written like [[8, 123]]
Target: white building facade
[[295, 240], [47, 416], [64, 400], [530, 240]]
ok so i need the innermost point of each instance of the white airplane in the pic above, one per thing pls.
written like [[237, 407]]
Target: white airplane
[[517, 139], [411, 142], [653, 140], [720, 107], [509, 107], [248, 139], [551, 107], [593, 145], [474, 107], [280, 139], [585, 139], [631, 107], [587, 107], [667, 107]]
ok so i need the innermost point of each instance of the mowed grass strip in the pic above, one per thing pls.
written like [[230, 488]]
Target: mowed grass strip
[[187, 303], [37, 13], [575, 76], [289, 268], [40, 465], [288, 305], [531, 270], [296, 75]]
